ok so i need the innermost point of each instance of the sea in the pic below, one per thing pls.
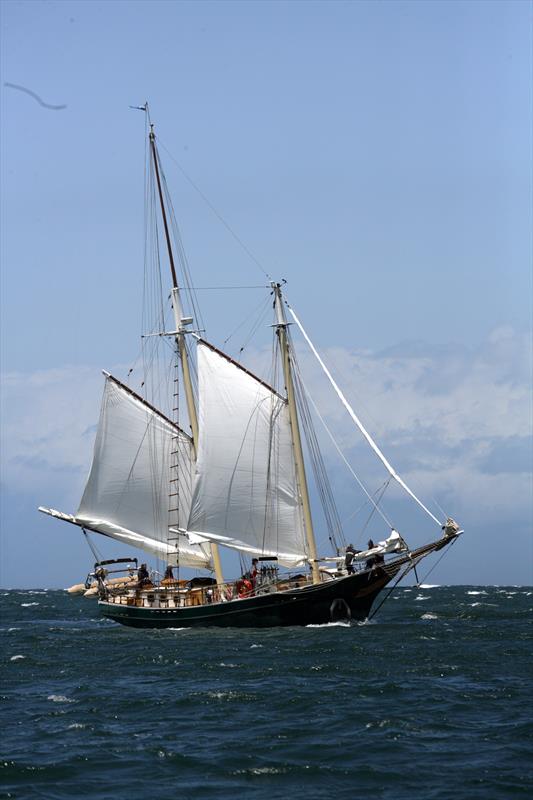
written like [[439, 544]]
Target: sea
[[430, 699]]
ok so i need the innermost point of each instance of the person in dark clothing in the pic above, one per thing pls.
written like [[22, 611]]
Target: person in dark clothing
[[372, 560], [348, 559], [143, 576]]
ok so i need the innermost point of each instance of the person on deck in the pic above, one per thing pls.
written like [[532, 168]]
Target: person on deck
[[168, 576], [143, 576], [370, 561], [255, 562], [348, 560], [374, 560]]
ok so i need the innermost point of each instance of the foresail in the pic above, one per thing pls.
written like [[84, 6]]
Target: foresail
[[127, 491], [245, 491]]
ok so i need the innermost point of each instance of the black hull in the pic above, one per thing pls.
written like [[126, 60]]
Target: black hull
[[343, 599]]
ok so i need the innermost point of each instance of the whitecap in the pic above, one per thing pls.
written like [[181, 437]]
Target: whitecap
[[429, 616], [177, 629], [421, 597], [477, 592], [16, 658], [255, 645], [76, 725], [27, 605], [429, 586], [59, 698], [9, 630], [330, 625], [231, 666], [473, 605]]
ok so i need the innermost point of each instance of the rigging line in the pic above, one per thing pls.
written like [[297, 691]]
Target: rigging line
[[319, 468], [428, 573], [358, 422], [363, 504], [182, 255], [96, 554], [253, 313], [408, 568], [215, 212], [219, 288], [255, 327], [360, 483], [376, 505]]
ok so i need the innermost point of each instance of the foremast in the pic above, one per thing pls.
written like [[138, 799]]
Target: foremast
[[180, 326], [295, 430]]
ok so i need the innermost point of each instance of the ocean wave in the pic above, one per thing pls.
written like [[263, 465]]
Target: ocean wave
[[59, 698], [16, 658], [331, 625]]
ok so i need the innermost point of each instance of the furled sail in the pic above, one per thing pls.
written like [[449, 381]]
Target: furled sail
[[245, 491], [127, 493]]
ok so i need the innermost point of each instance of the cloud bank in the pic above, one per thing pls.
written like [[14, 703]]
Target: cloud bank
[[455, 422]]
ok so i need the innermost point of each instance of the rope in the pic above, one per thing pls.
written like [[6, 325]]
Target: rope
[[96, 554], [216, 213], [360, 483], [358, 422], [426, 576]]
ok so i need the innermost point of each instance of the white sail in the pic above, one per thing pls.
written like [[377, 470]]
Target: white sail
[[127, 491], [245, 492]]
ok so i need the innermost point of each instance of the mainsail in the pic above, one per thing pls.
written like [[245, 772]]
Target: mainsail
[[245, 492], [127, 492]]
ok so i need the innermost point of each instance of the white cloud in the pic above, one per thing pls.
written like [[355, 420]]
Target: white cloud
[[453, 421]]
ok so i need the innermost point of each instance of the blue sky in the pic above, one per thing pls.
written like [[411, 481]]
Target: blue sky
[[376, 155]]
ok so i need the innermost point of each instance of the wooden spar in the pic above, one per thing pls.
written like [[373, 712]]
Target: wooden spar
[[296, 438], [180, 338]]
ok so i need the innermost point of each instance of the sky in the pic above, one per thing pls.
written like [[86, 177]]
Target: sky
[[376, 155]]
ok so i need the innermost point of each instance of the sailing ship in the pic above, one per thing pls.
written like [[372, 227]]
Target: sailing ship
[[235, 478]]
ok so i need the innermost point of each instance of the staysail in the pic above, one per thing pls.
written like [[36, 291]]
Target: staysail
[[245, 491], [127, 492]]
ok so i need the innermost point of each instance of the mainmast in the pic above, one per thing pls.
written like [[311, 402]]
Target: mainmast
[[181, 323], [295, 428]]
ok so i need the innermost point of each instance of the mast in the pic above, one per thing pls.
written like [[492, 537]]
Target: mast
[[181, 323], [295, 428]]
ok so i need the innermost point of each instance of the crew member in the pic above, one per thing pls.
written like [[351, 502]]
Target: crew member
[[143, 576], [348, 560]]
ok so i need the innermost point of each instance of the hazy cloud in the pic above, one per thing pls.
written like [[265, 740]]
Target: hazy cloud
[[453, 421]]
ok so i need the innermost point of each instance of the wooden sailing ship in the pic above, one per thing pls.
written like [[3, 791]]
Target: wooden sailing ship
[[236, 480]]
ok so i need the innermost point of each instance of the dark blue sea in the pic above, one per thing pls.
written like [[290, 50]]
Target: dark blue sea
[[431, 699]]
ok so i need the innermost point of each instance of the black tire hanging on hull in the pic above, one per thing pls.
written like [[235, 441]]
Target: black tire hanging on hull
[[339, 611]]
